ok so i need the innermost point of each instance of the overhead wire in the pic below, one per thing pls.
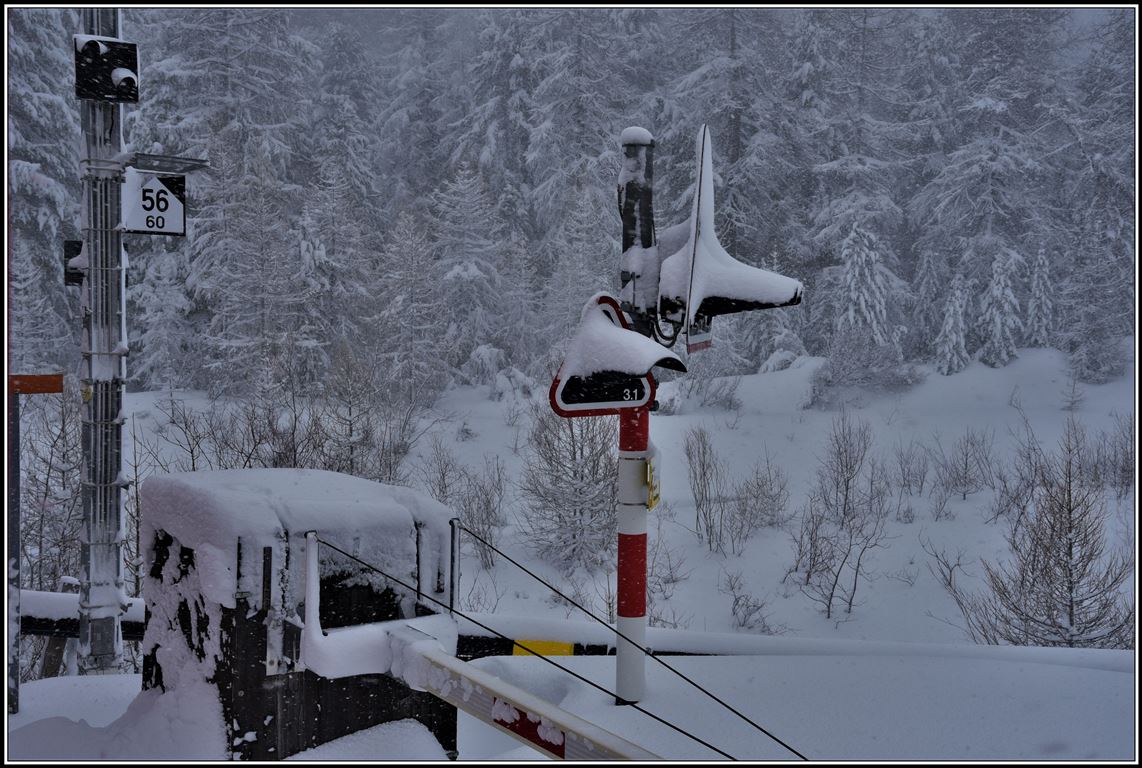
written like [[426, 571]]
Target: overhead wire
[[636, 645], [502, 636]]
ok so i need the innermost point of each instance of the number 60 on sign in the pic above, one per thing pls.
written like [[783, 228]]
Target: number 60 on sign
[[154, 204]]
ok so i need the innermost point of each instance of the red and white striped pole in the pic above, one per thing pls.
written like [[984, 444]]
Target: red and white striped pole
[[630, 662]]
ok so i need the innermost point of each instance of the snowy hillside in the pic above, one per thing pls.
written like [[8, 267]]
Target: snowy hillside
[[772, 420]]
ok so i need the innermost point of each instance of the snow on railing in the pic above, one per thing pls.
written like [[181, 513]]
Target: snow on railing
[[401, 650]]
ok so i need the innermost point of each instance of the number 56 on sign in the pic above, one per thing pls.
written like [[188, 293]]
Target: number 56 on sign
[[154, 204]]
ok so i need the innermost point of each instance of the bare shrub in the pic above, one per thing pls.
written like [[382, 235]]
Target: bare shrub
[[1119, 454], [1058, 587], [479, 499], [911, 466], [709, 485], [967, 467], [844, 519], [939, 496], [1072, 394], [440, 472], [747, 611], [711, 391], [665, 564], [812, 547], [485, 593], [906, 575]]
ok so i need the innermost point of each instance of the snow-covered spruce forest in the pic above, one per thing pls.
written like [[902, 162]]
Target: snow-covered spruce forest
[[405, 203]]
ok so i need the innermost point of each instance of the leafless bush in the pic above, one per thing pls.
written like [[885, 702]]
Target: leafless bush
[[967, 467], [710, 487], [605, 590], [711, 391], [1058, 587], [477, 497], [485, 593], [440, 472], [51, 488], [665, 564], [668, 617], [904, 511], [844, 519], [758, 502], [907, 575], [812, 547], [575, 589], [911, 466], [939, 496], [748, 611], [1072, 394], [479, 500], [1119, 454], [1015, 483]]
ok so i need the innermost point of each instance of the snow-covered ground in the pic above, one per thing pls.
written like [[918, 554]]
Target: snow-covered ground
[[773, 421], [838, 705], [857, 707]]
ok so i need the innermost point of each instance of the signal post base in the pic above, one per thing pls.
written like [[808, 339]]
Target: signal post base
[[630, 661]]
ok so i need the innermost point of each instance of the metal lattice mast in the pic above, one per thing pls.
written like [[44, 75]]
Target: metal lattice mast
[[102, 599]]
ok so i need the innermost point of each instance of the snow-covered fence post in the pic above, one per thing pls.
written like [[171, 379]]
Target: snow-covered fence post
[[102, 599], [454, 563]]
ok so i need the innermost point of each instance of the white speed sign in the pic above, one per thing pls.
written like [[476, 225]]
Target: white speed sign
[[154, 204]]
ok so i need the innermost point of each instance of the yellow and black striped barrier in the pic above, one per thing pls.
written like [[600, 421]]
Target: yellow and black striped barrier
[[470, 647]]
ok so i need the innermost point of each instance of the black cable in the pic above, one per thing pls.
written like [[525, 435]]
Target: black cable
[[533, 653], [636, 645]]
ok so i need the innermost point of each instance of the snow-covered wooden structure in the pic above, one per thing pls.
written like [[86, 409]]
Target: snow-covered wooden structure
[[225, 559]]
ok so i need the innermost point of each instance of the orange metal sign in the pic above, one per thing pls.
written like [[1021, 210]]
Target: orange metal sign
[[35, 384]]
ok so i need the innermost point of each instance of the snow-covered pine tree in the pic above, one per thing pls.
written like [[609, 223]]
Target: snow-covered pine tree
[[408, 316], [574, 110], [983, 199], [1096, 300], [568, 485], [162, 313], [999, 321], [414, 152], [497, 130], [1093, 333], [864, 286], [722, 83], [470, 281], [951, 352], [43, 130], [926, 317], [584, 250], [335, 252], [1040, 305]]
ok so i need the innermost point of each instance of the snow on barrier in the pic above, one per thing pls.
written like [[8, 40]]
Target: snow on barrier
[[421, 652], [531, 720]]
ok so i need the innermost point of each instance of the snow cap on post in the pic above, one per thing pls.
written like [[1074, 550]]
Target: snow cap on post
[[602, 345], [636, 135]]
